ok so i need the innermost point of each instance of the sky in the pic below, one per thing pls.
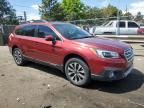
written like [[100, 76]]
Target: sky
[[31, 6]]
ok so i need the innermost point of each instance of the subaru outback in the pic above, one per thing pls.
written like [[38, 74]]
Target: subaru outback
[[78, 54]]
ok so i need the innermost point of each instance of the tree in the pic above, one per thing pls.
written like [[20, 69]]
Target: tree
[[93, 12], [111, 11], [139, 17], [128, 15], [58, 13], [74, 9], [7, 13], [51, 10]]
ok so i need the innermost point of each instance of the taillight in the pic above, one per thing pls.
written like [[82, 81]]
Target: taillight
[[10, 37]]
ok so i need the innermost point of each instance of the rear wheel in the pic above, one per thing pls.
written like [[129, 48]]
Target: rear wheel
[[18, 57], [77, 72]]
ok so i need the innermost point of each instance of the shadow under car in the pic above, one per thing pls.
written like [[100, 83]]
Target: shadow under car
[[133, 82]]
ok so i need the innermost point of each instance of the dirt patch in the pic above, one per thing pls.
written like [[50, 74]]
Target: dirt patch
[[37, 86]]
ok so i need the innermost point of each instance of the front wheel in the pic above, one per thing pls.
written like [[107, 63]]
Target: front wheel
[[77, 72]]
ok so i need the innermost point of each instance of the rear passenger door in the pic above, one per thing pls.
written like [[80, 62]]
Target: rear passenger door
[[132, 28]]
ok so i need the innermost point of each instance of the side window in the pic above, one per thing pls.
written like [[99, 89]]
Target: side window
[[45, 31], [132, 25], [19, 32], [121, 24], [29, 30]]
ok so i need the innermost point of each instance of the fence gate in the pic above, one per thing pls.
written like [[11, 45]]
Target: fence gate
[[5, 31]]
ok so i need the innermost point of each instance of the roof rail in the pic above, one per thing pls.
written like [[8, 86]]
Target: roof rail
[[34, 21]]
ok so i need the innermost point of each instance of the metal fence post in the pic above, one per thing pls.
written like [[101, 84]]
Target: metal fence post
[[1, 36], [1, 39]]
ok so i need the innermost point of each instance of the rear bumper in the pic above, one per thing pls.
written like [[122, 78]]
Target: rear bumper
[[111, 74], [10, 50]]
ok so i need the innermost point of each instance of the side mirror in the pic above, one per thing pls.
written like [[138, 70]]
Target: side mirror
[[51, 38]]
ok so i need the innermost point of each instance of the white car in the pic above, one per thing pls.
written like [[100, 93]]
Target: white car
[[126, 27]]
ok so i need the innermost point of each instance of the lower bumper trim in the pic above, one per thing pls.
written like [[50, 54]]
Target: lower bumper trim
[[111, 75]]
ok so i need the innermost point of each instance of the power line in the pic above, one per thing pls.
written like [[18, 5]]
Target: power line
[[22, 6], [22, 12], [28, 1]]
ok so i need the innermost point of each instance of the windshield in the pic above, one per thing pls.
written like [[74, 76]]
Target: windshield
[[70, 31], [104, 24]]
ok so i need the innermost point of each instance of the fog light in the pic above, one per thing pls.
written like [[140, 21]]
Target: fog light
[[111, 75]]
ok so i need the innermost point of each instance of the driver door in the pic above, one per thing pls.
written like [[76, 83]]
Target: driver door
[[45, 51]]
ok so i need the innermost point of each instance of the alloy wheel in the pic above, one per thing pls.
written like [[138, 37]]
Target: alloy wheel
[[17, 56], [76, 72]]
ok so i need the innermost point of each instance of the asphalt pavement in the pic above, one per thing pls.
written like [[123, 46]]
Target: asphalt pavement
[[37, 86]]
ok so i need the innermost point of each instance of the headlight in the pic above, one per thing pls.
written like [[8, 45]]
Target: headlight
[[106, 54]]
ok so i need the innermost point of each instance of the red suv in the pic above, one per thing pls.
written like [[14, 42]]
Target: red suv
[[75, 52]]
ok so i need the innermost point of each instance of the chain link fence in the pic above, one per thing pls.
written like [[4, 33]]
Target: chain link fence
[[5, 31], [97, 26], [124, 25]]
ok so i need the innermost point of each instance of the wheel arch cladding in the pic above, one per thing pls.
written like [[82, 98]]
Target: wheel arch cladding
[[67, 57]]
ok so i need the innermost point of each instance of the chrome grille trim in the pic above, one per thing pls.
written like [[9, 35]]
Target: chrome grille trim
[[128, 53]]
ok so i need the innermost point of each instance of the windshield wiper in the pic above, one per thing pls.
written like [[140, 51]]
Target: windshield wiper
[[88, 37], [82, 37]]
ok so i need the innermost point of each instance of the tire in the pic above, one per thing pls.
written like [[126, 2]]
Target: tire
[[77, 72], [18, 57]]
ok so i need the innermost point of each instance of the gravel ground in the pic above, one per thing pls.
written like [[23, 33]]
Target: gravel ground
[[37, 86]]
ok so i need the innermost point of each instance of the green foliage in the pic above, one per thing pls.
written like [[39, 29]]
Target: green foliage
[[128, 16], [51, 10], [58, 13], [74, 9], [70, 10], [110, 11], [139, 17], [7, 13], [93, 12]]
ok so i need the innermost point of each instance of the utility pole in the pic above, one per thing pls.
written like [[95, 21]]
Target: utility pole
[[118, 20], [25, 16]]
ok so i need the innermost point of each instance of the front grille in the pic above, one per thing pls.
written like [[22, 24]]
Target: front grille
[[128, 53]]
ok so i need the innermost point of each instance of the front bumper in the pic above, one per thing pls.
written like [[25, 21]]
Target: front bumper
[[111, 74]]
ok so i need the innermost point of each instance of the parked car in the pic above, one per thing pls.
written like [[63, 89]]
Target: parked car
[[126, 27], [75, 52], [141, 25], [141, 31]]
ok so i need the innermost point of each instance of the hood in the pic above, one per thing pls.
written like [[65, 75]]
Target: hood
[[101, 27], [104, 43]]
